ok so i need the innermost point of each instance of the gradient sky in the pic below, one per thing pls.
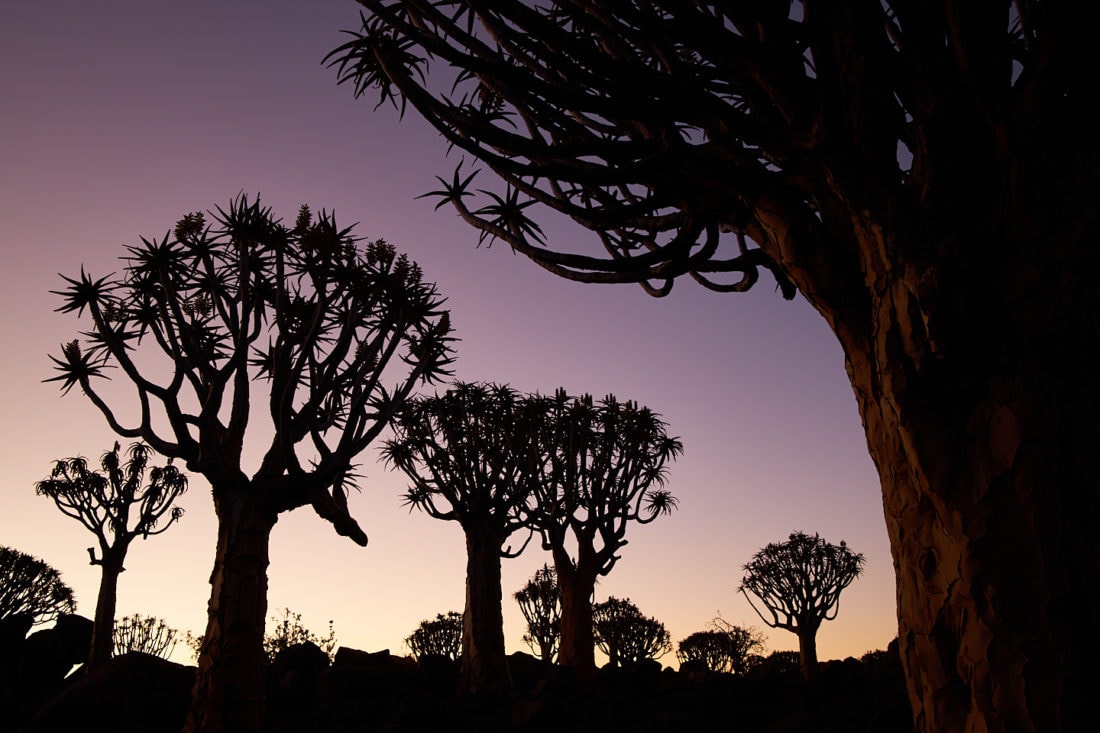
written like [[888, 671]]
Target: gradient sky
[[120, 116]]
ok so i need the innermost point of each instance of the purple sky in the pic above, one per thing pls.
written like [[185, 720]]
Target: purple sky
[[120, 116]]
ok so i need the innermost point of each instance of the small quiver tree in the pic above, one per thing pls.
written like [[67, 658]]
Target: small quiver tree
[[438, 637], [104, 504], [605, 468], [32, 589], [626, 635], [724, 647], [145, 634], [540, 603], [470, 455], [305, 309], [799, 583]]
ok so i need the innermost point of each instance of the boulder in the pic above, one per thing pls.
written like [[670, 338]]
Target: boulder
[[132, 693]]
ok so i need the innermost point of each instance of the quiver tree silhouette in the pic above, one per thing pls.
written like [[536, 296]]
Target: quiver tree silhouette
[[605, 468], [724, 647], [924, 174], [540, 603], [145, 634], [626, 635], [470, 453], [799, 583], [438, 637], [103, 503], [306, 309], [32, 589]]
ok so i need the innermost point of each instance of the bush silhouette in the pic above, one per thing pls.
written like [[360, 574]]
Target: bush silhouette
[[145, 634]]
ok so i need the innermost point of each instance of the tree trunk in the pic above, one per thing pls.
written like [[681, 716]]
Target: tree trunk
[[103, 627], [807, 655], [977, 383], [578, 645], [229, 684], [484, 662], [546, 650]]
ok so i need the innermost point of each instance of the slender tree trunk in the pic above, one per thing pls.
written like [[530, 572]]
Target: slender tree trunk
[[807, 655], [578, 645], [103, 626], [484, 662], [229, 685]]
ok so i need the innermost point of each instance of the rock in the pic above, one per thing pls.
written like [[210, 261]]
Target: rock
[[132, 693]]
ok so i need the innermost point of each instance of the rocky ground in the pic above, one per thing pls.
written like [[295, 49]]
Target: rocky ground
[[364, 692]]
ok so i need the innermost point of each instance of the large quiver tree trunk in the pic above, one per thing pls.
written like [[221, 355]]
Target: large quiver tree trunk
[[977, 382], [229, 685]]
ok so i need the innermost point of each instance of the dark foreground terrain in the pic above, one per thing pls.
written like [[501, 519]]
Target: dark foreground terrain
[[363, 692]]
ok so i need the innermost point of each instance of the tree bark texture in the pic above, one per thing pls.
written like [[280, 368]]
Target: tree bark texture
[[103, 626], [578, 644], [484, 661], [229, 684], [977, 385]]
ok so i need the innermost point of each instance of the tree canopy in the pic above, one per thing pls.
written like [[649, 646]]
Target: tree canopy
[[303, 308], [31, 588], [799, 584], [102, 502]]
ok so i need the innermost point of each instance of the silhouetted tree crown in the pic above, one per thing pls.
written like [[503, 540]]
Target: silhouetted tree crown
[[29, 587], [438, 637], [469, 454], [626, 635], [725, 647], [103, 502], [799, 581], [605, 467], [540, 603], [304, 308]]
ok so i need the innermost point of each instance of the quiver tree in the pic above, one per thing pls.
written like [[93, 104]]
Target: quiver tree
[[540, 603], [470, 453], [32, 589], [626, 635], [438, 637], [304, 309], [799, 583], [145, 634], [724, 647], [923, 173], [604, 468], [103, 503]]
